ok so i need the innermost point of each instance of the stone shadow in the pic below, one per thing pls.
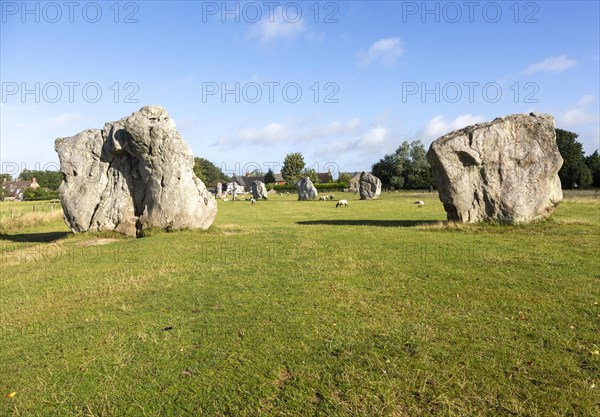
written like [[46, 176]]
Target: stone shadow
[[372, 223], [35, 237]]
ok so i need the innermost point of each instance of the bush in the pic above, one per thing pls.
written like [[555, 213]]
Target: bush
[[331, 186], [36, 194]]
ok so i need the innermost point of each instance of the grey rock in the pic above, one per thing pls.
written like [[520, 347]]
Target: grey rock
[[306, 189], [259, 190], [219, 193], [369, 186], [505, 170], [134, 174]]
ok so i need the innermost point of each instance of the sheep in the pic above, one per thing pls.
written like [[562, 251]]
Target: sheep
[[332, 197], [420, 203], [252, 201], [341, 203], [323, 198], [225, 199]]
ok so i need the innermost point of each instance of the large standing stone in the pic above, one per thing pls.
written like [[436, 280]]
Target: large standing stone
[[369, 186], [306, 189], [134, 174], [259, 190], [505, 170]]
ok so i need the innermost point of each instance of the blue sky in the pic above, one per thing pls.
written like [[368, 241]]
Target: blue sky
[[370, 74]]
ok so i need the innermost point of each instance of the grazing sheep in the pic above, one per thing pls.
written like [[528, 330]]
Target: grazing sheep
[[341, 203], [323, 198], [225, 199], [332, 197], [252, 201], [419, 203]]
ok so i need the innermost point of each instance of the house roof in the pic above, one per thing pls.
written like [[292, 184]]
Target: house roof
[[279, 178], [246, 181], [324, 177]]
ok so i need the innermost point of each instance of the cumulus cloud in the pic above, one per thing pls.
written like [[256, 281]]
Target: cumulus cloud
[[439, 125], [290, 131], [278, 25], [386, 51], [554, 64], [579, 114]]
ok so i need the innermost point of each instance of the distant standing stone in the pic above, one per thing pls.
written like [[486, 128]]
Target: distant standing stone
[[369, 186], [219, 190], [505, 170], [259, 190], [306, 189]]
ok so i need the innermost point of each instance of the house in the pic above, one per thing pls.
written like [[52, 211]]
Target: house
[[244, 182], [324, 177], [279, 179], [355, 182], [13, 190]]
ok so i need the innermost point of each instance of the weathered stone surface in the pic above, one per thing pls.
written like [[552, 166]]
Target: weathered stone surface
[[369, 186], [219, 193], [134, 174], [259, 190], [306, 189], [505, 170]]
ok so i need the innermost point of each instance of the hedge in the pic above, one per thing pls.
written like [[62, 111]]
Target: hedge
[[330, 186]]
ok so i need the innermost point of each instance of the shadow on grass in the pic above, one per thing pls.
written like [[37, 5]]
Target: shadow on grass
[[374, 223], [35, 237]]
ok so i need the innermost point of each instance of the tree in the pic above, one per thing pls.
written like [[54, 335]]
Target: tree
[[593, 163], [312, 174], [207, 171], [46, 179], [574, 171], [345, 178], [407, 167], [5, 177], [293, 164], [418, 170], [270, 177]]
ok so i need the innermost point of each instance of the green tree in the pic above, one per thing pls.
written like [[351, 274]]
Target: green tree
[[33, 194], [293, 164], [345, 178], [208, 172], [5, 177], [46, 179], [312, 174], [418, 170], [270, 177], [593, 163], [407, 167], [574, 171]]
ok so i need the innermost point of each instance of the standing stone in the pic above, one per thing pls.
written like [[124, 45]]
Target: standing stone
[[134, 174], [259, 190], [369, 186], [306, 189], [505, 170], [219, 193]]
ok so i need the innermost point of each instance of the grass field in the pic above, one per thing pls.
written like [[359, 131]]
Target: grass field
[[294, 308]]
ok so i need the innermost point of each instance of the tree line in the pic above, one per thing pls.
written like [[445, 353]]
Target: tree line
[[405, 168]]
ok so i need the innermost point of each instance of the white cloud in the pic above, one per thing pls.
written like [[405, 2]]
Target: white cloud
[[290, 131], [439, 125], [277, 26], [579, 114], [386, 51], [555, 64]]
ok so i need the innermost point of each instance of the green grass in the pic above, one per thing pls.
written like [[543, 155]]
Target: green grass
[[294, 308]]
